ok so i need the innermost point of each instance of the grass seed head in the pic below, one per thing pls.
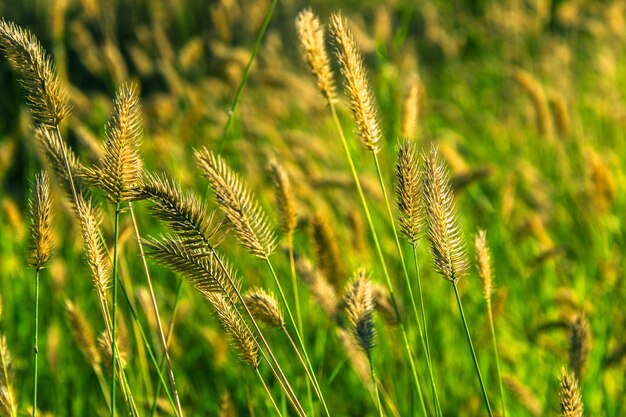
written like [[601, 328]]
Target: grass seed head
[[360, 310], [570, 398], [408, 192], [264, 307], [41, 227]]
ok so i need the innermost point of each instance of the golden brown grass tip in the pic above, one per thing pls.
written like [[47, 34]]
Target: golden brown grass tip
[[239, 333], [570, 398], [311, 34], [360, 310], [483, 261], [45, 93], [356, 83], [579, 345], [90, 219], [410, 107], [536, 93], [264, 307], [408, 192], [329, 258], [119, 171], [8, 406], [444, 234], [82, 333], [41, 222], [285, 198], [249, 221], [324, 293]]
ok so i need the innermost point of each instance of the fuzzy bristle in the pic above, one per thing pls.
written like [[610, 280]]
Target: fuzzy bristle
[[45, 93], [41, 227], [311, 34], [264, 307], [285, 199], [445, 238], [570, 398], [82, 333], [356, 83], [240, 335], [483, 261], [249, 221], [408, 192], [579, 345], [90, 218], [360, 310], [119, 171]]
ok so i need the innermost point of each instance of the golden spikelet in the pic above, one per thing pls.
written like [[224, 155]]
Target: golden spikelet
[[238, 203], [561, 114], [264, 307], [525, 396], [95, 253], [360, 310], [105, 349], [311, 34], [8, 406], [326, 247], [356, 84], [534, 90], [82, 333], [408, 192], [239, 333], [285, 199], [579, 345], [443, 231], [324, 293], [184, 212], [41, 228], [119, 173], [570, 398], [45, 94], [410, 107], [483, 261]]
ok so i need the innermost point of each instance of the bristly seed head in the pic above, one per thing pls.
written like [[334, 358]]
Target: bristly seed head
[[249, 221], [97, 260], [360, 310], [119, 172], [445, 237], [408, 192], [311, 34], [285, 199], [483, 261], [570, 398], [356, 84], [41, 228], [264, 307], [45, 93]]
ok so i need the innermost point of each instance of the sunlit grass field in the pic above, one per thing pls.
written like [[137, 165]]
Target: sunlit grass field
[[515, 108]]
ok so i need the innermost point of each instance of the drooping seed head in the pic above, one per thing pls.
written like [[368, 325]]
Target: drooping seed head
[[311, 34], [45, 94], [82, 333], [360, 310], [483, 261], [445, 237], [249, 221], [285, 199], [264, 307], [41, 226], [408, 192], [570, 398], [356, 83]]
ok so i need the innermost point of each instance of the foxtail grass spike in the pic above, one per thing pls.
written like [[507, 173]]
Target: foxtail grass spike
[[360, 310], [285, 199], [408, 192], [570, 398], [264, 307], [41, 218], [95, 253]]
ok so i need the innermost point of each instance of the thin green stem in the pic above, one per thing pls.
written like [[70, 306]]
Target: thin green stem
[[114, 317], [379, 404], [246, 73], [471, 346], [36, 343], [267, 390], [407, 280], [495, 349], [294, 279], [379, 253], [166, 356], [311, 374]]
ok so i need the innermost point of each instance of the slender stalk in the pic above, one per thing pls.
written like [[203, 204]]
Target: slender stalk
[[495, 349], [179, 410], [379, 404], [267, 390], [103, 386], [246, 73], [379, 252], [471, 346], [311, 374], [114, 318], [294, 279], [423, 339], [36, 343]]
